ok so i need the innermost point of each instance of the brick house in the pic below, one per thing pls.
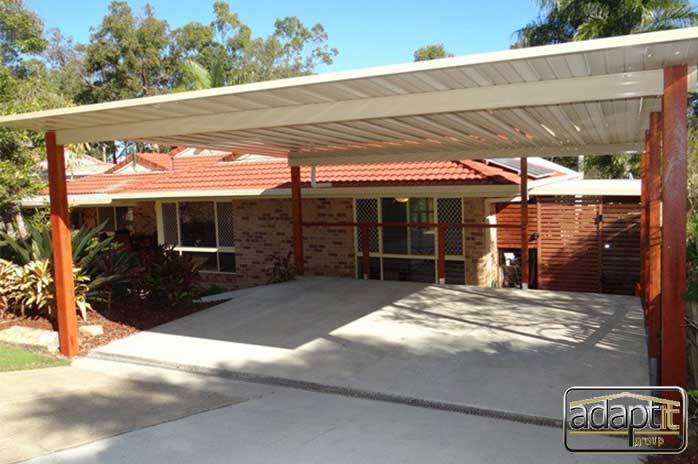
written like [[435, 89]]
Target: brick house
[[232, 213]]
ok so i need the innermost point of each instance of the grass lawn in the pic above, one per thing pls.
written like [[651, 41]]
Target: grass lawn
[[13, 358]]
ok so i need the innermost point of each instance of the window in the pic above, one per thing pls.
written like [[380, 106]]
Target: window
[[106, 216], [196, 224], [412, 241], [202, 230], [77, 218], [401, 253], [115, 218], [394, 210], [421, 239]]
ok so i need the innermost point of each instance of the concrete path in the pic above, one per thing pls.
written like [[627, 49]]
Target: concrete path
[[45, 410], [293, 426], [500, 349]]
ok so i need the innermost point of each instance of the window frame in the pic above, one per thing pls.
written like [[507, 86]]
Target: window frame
[[218, 249], [380, 254], [115, 217]]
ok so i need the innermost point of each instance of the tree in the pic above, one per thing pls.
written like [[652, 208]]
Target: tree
[[66, 62], [127, 56], [230, 54], [568, 20], [20, 33], [131, 56], [24, 86], [431, 52], [621, 166]]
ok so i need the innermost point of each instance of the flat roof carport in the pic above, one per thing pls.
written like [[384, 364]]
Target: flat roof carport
[[592, 97], [575, 98]]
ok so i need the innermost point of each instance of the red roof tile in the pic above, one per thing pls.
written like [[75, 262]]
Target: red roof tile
[[211, 172]]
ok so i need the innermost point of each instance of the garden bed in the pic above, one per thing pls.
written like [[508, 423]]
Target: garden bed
[[121, 320]]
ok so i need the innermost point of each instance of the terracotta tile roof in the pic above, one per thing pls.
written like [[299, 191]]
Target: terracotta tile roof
[[213, 172], [159, 161]]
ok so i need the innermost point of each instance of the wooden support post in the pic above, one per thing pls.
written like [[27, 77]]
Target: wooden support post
[[524, 223], [441, 254], [297, 212], [365, 252], [674, 197], [644, 224], [62, 248], [654, 236]]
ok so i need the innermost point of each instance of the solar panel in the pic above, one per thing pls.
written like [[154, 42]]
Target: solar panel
[[534, 170]]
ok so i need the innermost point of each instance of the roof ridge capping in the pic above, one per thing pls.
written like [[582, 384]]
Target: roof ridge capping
[[632, 40]]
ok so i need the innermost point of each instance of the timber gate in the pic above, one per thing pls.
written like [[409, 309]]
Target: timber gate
[[588, 244]]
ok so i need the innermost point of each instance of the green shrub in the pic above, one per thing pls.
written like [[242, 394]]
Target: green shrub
[[101, 262], [31, 287], [35, 286], [9, 277], [167, 277]]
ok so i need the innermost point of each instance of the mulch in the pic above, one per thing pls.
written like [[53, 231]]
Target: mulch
[[122, 319]]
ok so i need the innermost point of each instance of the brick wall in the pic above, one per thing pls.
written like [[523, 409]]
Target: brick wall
[[480, 254], [262, 231], [263, 234], [329, 251], [144, 219], [89, 217]]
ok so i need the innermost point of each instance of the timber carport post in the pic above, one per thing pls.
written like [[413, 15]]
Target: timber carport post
[[62, 248], [673, 370]]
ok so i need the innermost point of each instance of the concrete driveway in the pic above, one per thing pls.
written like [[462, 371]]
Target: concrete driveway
[[45, 410], [507, 351], [281, 425]]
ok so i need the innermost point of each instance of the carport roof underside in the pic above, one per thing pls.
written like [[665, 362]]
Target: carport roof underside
[[589, 97]]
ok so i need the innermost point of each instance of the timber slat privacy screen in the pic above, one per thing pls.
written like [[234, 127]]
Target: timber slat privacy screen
[[586, 245], [589, 244]]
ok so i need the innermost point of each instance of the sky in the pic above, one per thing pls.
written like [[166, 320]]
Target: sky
[[366, 33]]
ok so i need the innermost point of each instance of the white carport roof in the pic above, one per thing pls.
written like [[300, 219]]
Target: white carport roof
[[587, 97]]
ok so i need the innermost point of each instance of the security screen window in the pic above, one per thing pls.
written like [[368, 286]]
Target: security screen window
[[394, 238], [105, 215], [421, 239], [202, 230], [197, 226], [409, 253], [115, 218], [124, 217], [204, 261]]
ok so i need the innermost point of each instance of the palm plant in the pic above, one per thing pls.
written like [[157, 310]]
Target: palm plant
[[99, 260], [568, 20], [195, 76]]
